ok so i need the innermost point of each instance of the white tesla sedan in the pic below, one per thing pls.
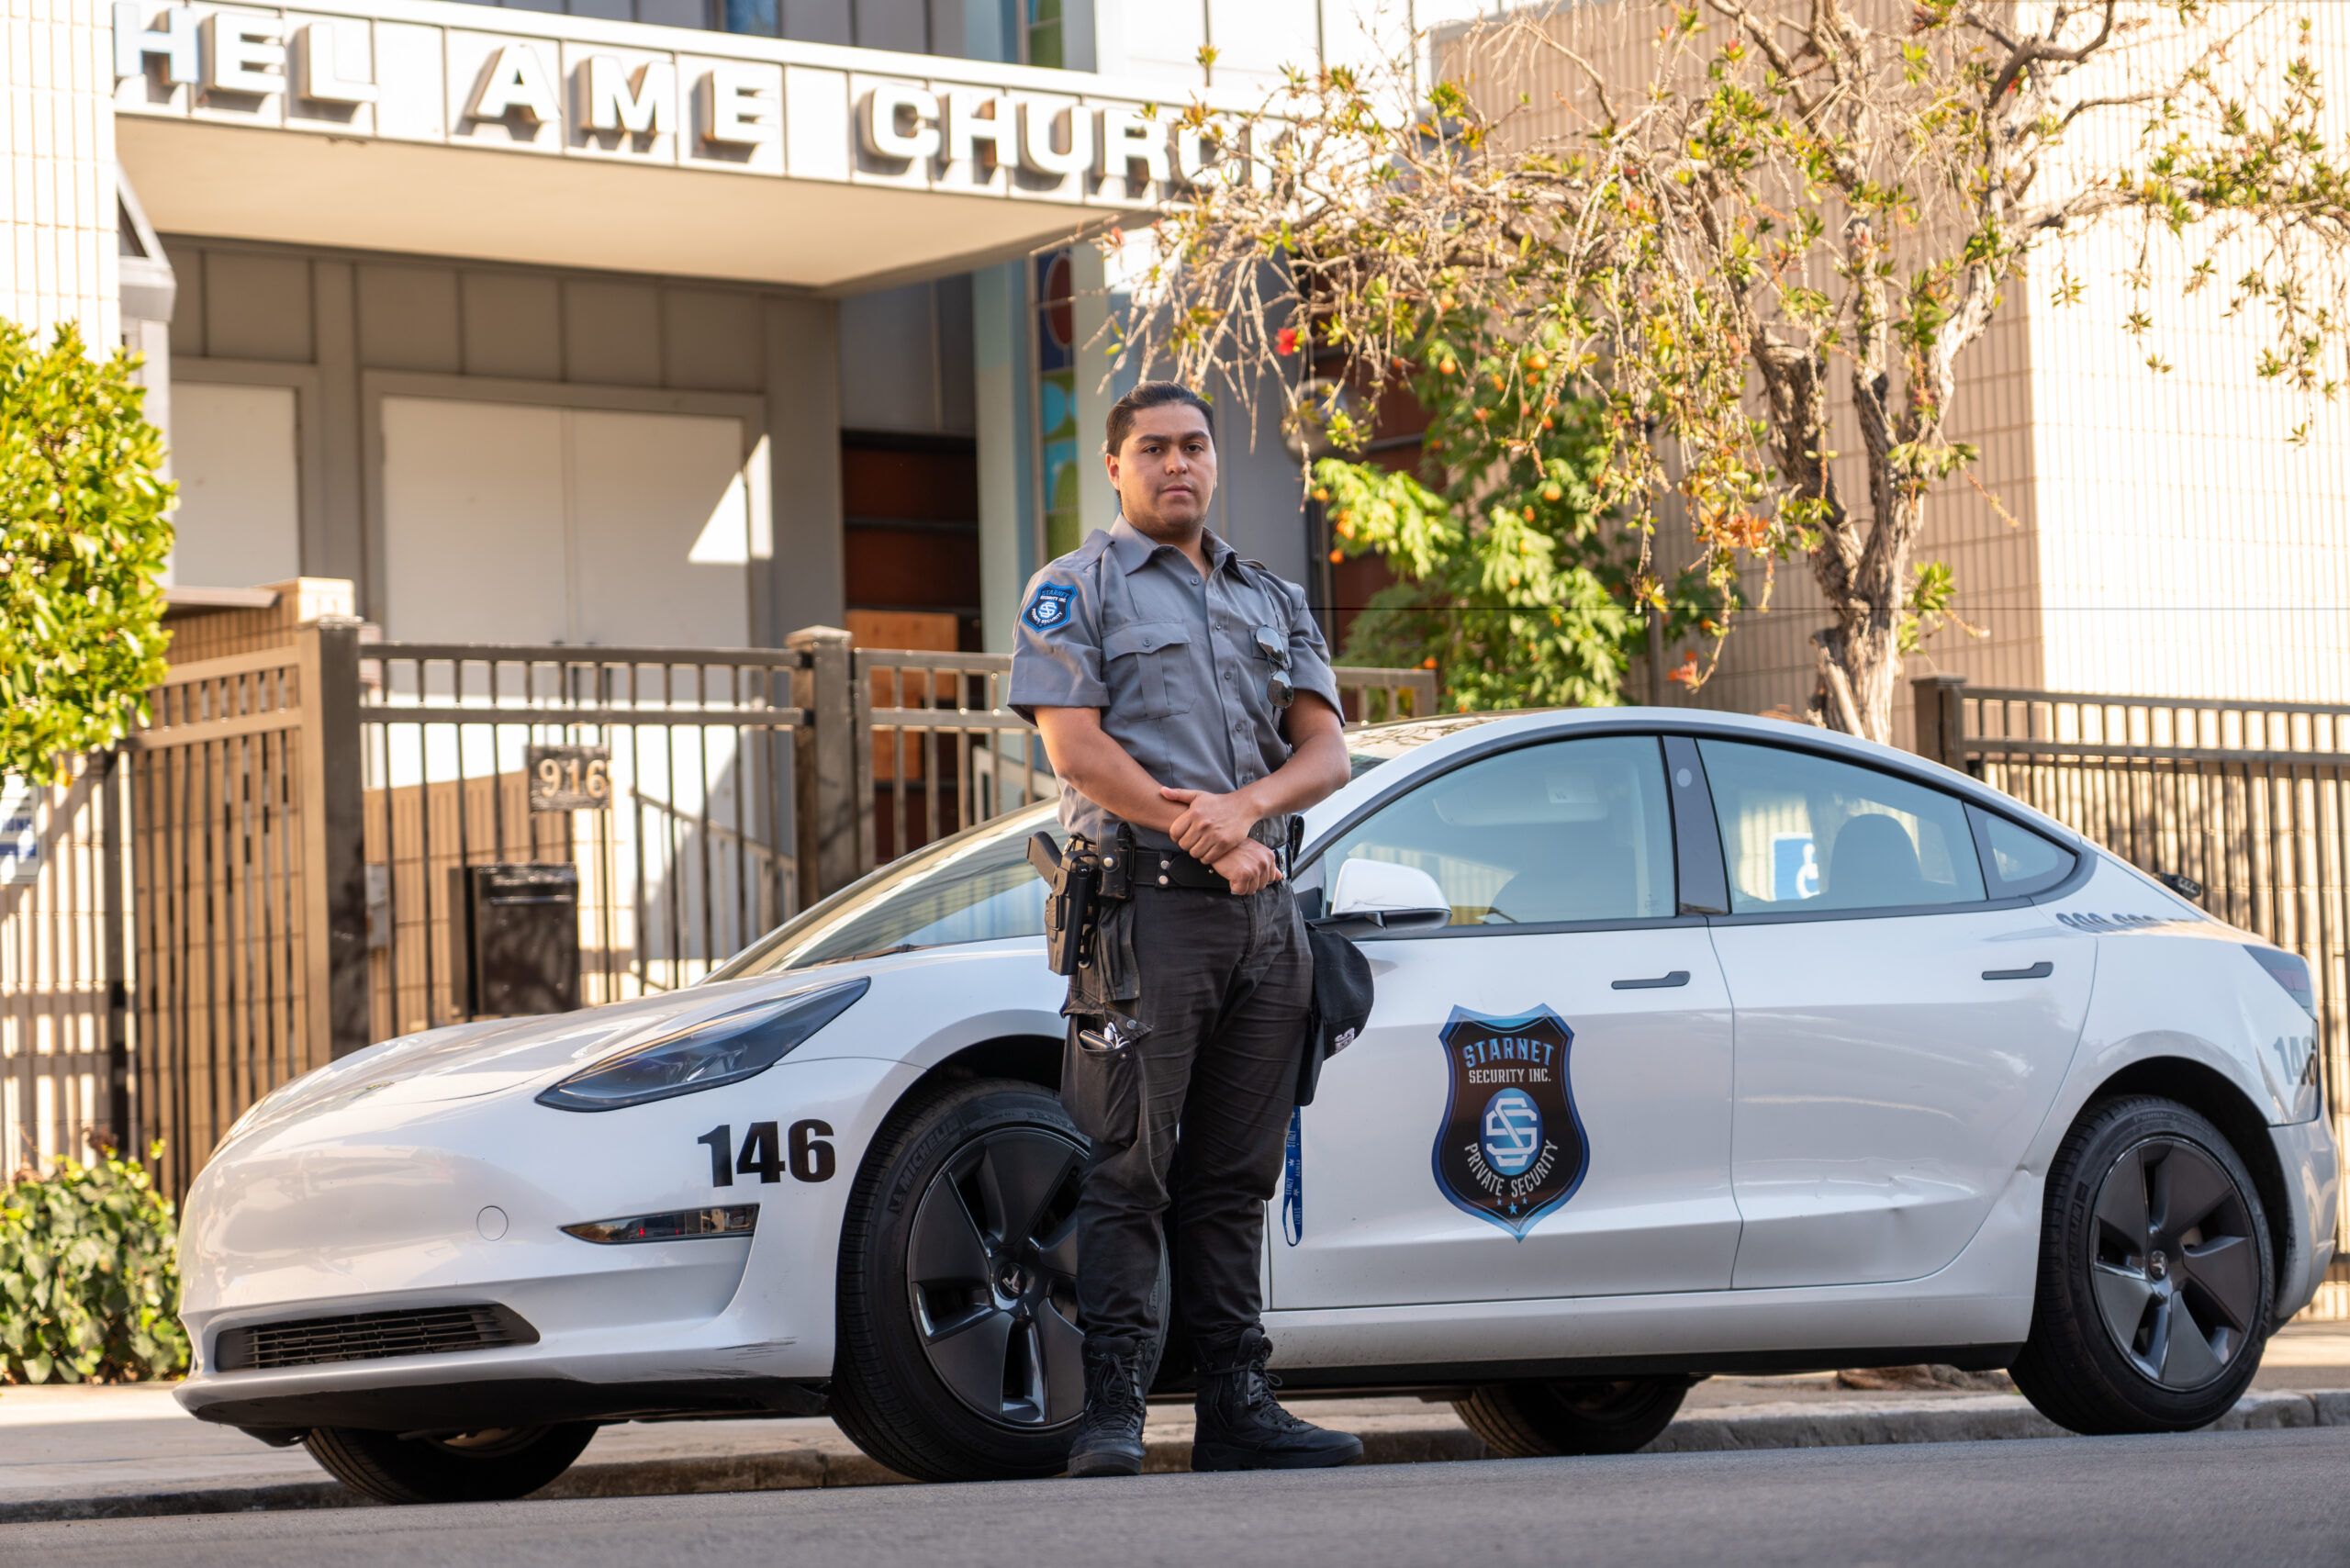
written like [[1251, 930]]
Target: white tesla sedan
[[1702, 1044]]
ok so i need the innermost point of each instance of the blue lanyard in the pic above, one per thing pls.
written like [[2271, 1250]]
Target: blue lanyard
[[1294, 1180]]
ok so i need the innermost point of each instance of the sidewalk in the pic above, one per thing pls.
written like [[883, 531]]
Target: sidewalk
[[68, 1452]]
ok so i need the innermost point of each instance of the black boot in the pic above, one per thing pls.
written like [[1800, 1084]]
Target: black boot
[[1108, 1435], [1242, 1427]]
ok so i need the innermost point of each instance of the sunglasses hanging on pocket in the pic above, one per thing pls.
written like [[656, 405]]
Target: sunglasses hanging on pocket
[[1275, 647]]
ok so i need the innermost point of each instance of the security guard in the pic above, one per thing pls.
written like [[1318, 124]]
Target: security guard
[[1187, 704]]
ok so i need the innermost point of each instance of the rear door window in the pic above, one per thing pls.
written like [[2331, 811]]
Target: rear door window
[[1804, 832]]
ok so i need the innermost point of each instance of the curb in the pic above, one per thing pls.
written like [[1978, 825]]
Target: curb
[[1387, 1439]]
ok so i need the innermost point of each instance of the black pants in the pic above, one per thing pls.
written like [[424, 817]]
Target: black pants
[[1226, 985]]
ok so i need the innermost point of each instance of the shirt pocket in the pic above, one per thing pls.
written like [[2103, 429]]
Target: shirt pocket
[[1145, 663]]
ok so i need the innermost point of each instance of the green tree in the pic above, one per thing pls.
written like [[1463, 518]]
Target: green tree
[[1739, 222], [1516, 580], [82, 539]]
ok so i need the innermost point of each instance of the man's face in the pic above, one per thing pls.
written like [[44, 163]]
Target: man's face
[[1165, 473]]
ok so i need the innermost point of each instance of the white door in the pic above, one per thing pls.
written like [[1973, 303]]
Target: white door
[[1540, 1104], [1900, 1033], [506, 522], [238, 518], [477, 545]]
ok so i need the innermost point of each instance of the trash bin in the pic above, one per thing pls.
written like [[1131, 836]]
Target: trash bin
[[516, 939]]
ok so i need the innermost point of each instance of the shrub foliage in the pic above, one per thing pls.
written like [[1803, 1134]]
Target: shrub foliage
[[89, 1278], [82, 539]]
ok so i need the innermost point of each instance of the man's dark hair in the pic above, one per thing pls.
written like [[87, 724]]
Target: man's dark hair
[[1152, 395]]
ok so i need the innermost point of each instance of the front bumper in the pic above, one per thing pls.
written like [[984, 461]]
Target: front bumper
[[380, 1207]]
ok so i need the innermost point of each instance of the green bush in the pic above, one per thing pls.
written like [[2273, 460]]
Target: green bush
[[89, 1277], [83, 538]]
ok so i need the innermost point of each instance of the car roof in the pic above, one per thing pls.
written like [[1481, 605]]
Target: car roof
[[1417, 746]]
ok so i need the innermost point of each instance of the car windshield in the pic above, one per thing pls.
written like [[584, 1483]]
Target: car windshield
[[978, 886], [974, 887]]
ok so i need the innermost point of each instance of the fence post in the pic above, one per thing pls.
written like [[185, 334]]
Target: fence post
[[333, 843], [1942, 724], [114, 913], [824, 771]]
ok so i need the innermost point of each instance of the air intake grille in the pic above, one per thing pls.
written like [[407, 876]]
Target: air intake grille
[[369, 1337]]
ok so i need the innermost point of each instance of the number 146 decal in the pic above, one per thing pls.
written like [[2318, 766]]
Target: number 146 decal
[[811, 1157]]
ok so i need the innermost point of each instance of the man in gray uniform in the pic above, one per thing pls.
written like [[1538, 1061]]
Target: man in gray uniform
[[1187, 703]]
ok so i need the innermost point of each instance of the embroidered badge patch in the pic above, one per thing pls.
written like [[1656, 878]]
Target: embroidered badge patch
[[1051, 607], [1511, 1146]]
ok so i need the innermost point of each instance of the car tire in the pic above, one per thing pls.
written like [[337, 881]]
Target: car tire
[[472, 1467], [1529, 1420], [2156, 1276], [958, 1344]]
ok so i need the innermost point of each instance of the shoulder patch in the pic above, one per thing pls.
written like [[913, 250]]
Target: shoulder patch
[[1050, 608]]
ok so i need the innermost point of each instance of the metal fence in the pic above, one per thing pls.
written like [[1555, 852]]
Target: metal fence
[[2248, 800], [662, 777], [272, 871], [231, 841]]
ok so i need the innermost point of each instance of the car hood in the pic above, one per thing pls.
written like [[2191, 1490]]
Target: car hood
[[463, 1061]]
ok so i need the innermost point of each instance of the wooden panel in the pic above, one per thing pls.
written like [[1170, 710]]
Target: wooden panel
[[52, 992]]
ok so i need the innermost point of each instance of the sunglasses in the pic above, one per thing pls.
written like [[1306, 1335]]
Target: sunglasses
[[1275, 647]]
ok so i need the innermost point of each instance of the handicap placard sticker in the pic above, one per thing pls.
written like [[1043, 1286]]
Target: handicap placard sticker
[[1511, 1148]]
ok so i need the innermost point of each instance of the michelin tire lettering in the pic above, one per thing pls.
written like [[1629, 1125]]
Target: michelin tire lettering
[[804, 1151], [1511, 1148]]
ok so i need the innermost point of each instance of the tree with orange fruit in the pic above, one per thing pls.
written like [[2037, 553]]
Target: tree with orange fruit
[[1654, 254]]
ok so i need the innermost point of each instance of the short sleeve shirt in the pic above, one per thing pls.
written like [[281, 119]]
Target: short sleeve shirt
[[1175, 664]]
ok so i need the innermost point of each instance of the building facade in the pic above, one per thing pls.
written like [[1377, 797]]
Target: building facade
[[631, 322]]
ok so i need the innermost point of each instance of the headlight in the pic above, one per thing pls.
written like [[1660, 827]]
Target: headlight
[[725, 1049]]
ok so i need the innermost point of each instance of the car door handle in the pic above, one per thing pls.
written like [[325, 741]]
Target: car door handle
[[1677, 977], [2039, 970]]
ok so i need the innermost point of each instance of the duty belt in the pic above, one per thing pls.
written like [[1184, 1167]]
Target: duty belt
[[1173, 868]]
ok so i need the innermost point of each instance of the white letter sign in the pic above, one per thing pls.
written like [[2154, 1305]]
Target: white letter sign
[[133, 43], [739, 110], [646, 105], [516, 80], [1128, 139], [878, 126], [1039, 124], [244, 53], [318, 68]]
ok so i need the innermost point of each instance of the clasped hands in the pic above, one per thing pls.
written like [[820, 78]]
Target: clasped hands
[[1214, 829]]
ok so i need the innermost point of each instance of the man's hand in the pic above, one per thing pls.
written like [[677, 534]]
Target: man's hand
[[1249, 867], [1212, 826]]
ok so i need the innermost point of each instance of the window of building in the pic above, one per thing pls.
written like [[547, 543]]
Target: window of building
[[1571, 831], [1803, 832], [761, 18], [1057, 434], [1042, 37]]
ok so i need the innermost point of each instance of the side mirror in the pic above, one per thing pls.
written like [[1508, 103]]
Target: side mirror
[[1385, 894]]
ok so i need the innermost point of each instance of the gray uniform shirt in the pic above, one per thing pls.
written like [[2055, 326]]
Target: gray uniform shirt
[[1126, 625]]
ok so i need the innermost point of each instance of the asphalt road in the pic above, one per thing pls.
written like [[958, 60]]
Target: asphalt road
[[2271, 1497]]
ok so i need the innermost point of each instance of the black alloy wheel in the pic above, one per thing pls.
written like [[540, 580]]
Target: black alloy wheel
[[485, 1466], [2158, 1279], [2177, 1272], [958, 1352], [992, 1274], [1571, 1416]]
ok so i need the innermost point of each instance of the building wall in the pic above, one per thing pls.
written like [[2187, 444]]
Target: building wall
[[56, 82], [321, 321], [2124, 531]]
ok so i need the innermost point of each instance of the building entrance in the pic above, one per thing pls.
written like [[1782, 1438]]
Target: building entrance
[[516, 523]]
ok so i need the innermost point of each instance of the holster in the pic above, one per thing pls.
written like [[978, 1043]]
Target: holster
[[1069, 883]]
